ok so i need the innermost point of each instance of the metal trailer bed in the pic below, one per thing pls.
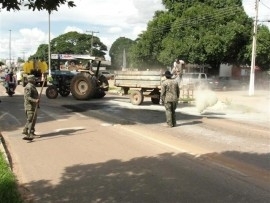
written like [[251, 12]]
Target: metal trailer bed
[[144, 83]]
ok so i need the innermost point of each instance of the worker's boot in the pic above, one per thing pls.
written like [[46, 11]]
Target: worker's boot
[[25, 131], [33, 135], [28, 138]]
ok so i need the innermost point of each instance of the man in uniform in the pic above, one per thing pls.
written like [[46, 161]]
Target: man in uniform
[[30, 104], [169, 96]]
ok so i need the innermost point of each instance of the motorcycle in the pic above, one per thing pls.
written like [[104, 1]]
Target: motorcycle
[[10, 84], [10, 88]]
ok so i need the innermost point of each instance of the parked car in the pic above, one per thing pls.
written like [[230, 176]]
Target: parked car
[[198, 80], [220, 83], [107, 74], [227, 83]]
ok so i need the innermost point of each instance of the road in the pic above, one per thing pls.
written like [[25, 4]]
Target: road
[[111, 151]]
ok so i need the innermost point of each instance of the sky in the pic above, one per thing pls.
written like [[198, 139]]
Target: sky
[[21, 32]]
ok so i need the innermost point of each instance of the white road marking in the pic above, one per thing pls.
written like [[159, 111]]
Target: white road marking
[[162, 143], [10, 115], [80, 115], [106, 124], [73, 128]]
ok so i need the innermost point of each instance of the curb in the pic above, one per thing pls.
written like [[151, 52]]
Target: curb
[[4, 150]]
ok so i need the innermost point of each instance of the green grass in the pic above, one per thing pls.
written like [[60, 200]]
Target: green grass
[[9, 192]]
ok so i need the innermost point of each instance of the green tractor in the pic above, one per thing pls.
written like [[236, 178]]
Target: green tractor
[[82, 83]]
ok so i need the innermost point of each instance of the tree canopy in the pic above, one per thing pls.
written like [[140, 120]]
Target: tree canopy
[[72, 43], [117, 50], [49, 5], [262, 48], [197, 31]]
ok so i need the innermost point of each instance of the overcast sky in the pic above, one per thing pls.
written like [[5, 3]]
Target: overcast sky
[[109, 19]]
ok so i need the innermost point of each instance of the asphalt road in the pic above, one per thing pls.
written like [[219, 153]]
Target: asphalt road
[[111, 151]]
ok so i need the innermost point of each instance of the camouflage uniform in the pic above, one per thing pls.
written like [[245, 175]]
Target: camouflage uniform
[[30, 104], [170, 95]]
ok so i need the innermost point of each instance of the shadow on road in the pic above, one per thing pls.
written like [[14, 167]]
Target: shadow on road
[[166, 178], [103, 109]]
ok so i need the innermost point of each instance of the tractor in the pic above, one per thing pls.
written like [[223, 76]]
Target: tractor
[[83, 84]]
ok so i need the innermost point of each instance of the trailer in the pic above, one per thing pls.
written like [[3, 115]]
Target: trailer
[[142, 83]]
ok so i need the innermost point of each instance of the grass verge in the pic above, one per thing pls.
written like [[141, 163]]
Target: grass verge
[[9, 192]]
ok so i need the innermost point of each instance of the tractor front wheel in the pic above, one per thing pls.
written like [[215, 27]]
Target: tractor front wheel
[[51, 92]]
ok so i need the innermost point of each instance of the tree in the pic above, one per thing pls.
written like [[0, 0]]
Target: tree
[[262, 48], [72, 43], [197, 31], [77, 43], [49, 5], [20, 60], [116, 52], [41, 53], [148, 45]]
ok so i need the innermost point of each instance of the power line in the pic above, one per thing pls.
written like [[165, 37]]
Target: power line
[[91, 53], [209, 17], [265, 5]]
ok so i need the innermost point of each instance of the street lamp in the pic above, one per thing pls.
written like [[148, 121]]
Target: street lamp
[[49, 46]]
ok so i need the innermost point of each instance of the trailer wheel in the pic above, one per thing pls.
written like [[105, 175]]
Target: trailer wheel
[[82, 86], [155, 96], [51, 92], [136, 97], [156, 99]]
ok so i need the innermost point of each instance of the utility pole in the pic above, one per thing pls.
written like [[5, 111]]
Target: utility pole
[[23, 52], [49, 43], [10, 49], [92, 32], [253, 57]]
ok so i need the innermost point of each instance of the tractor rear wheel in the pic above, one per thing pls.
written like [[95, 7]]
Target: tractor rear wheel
[[103, 83], [82, 86], [99, 94]]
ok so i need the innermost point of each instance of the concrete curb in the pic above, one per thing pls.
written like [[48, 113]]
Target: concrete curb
[[3, 150]]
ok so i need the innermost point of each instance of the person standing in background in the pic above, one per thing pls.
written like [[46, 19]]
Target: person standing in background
[[170, 93], [177, 70]]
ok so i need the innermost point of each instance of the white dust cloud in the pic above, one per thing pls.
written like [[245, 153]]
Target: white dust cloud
[[204, 99]]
